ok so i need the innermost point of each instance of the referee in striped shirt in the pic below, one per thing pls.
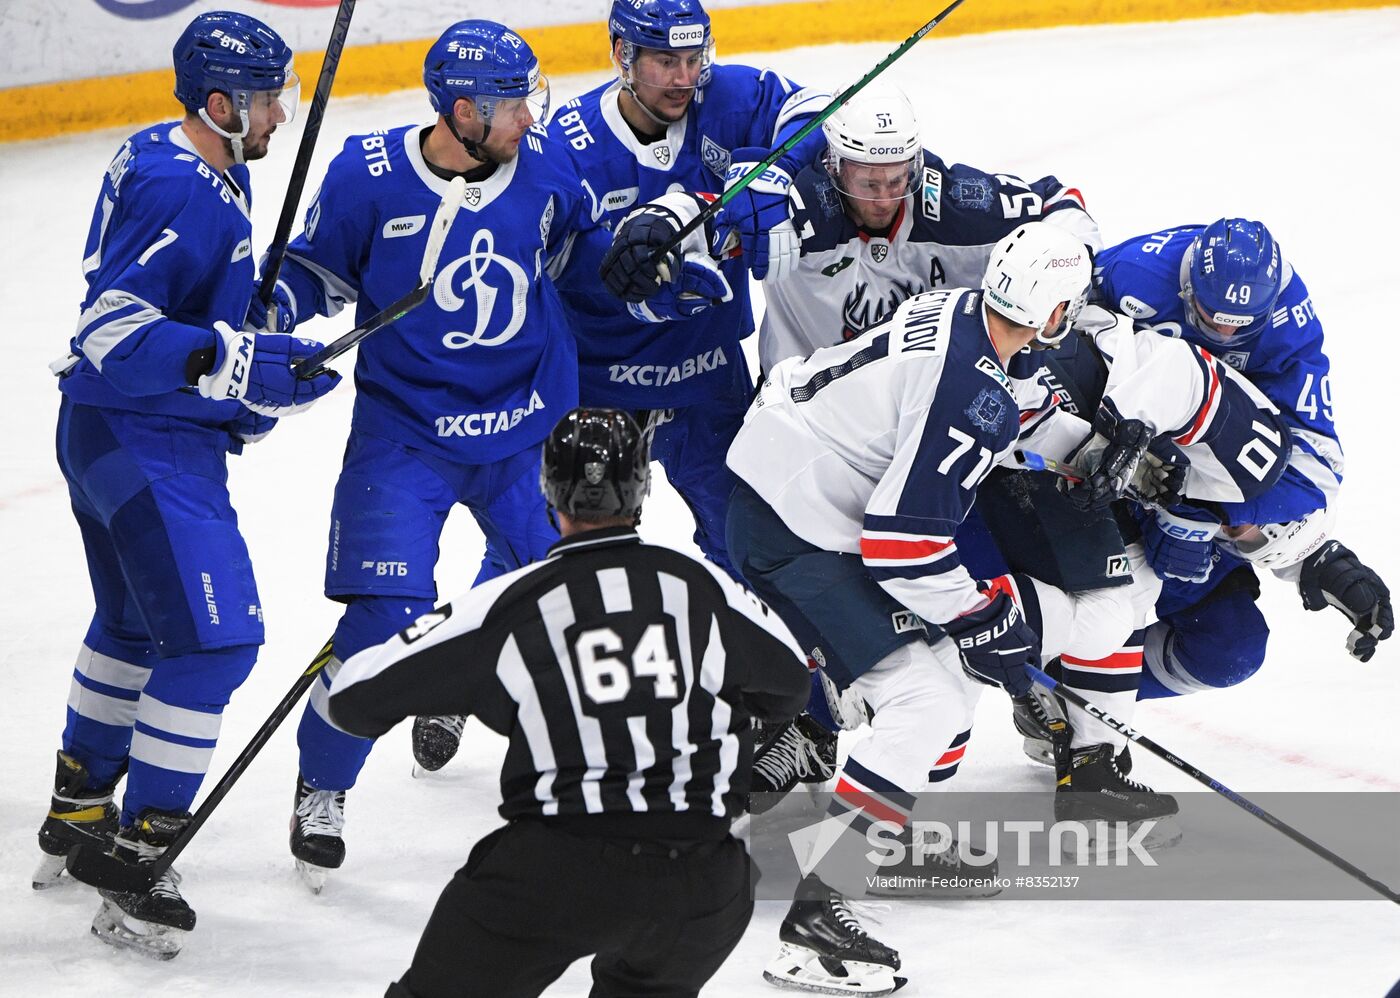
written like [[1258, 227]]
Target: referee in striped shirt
[[626, 677]]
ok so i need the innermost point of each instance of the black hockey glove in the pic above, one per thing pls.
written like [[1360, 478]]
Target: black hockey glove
[[627, 270], [1160, 479], [1335, 576], [1110, 457], [996, 645]]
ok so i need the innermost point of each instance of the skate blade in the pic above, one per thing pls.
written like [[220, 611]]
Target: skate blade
[[1165, 834], [49, 873], [1038, 751], [115, 928], [313, 876], [797, 968]]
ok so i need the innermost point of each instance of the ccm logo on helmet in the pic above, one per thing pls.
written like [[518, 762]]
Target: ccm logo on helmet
[[1065, 261]]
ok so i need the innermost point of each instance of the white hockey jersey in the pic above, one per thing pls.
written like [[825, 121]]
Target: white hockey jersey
[[876, 447], [849, 280]]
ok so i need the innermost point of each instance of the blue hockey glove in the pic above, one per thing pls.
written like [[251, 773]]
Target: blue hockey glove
[[255, 369], [761, 216], [628, 270], [1180, 543], [1110, 455], [1334, 576], [996, 645], [281, 317], [248, 428], [698, 286]]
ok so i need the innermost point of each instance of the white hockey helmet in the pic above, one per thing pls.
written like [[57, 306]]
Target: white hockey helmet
[[872, 144], [1034, 269]]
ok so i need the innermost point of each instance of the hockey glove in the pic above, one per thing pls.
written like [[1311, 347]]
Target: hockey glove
[[761, 216], [1110, 455], [1335, 576], [280, 317], [685, 278], [1180, 543], [1160, 479], [996, 645], [248, 428], [257, 371]]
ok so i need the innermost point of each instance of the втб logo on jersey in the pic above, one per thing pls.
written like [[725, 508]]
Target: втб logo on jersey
[[482, 263]]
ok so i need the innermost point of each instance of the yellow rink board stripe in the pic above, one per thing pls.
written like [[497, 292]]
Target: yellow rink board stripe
[[40, 110]]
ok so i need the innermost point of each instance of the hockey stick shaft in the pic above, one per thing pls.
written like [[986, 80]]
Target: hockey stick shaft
[[272, 268], [101, 869], [437, 237], [1238, 800], [1031, 461], [837, 102]]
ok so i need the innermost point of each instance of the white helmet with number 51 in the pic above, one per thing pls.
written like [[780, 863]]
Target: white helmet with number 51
[[1036, 268], [872, 145]]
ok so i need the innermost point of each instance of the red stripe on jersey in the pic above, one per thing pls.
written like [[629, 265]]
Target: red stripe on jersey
[[1118, 660], [872, 806], [884, 548], [1002, 584], [1211, 392], [1073, 192], [951, 756]]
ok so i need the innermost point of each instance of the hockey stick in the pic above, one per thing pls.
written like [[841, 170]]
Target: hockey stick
[[711, 209], [91, 865], [437, 236], [1029, 460], [278, 250], [1177, 763]]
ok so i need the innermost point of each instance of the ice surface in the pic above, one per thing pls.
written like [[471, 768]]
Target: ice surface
[[1285, 119]]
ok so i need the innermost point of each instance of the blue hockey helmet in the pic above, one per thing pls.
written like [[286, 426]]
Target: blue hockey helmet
[[1234, 272], [230, 53], [488, 63], [661, 24]]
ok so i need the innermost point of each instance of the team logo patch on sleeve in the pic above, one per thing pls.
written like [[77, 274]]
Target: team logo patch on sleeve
[[988, 410], [972, 192]]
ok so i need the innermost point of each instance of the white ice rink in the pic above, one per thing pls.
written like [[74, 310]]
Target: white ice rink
[[1291, 120]]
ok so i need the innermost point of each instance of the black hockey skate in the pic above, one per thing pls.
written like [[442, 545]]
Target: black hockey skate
[[1039, 732], [78, 815], [825, 950], [318, 825], [801, 751], [1092, 789], [435, 741], [152, 922], [935, 868]]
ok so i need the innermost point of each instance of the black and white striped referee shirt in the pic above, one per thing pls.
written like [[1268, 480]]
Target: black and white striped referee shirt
[[624, 674]]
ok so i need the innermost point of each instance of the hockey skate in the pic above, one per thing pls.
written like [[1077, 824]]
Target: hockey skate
[[802, 751], [936, 869], [154, 922], [77, 816], [1094, 791], [318, 824], [435, 741], [1033, 723], [825, 950]]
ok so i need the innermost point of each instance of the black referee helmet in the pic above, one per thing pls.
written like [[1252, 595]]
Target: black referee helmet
[[596, 465]]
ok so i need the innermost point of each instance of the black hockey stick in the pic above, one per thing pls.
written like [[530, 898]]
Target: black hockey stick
[[91, 865], [437, 236], [272, 267], [1177, 763], [711, 209]]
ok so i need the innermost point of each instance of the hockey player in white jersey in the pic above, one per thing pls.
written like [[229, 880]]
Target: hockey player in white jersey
[[856, 466], [881, 218]]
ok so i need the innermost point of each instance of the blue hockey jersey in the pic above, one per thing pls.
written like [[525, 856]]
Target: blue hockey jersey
[[168, 254], [485, 367], [631, 363]]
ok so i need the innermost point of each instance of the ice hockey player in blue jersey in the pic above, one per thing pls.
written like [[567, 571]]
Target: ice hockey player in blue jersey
[[454, 398], [676, 120], [161, 385], [1228, 288]]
